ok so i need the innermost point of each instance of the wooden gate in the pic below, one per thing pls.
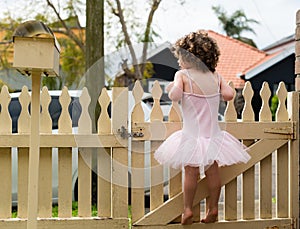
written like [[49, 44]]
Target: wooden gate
[[264, 193]]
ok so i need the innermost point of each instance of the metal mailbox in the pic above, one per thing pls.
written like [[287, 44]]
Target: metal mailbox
[[36, 49]]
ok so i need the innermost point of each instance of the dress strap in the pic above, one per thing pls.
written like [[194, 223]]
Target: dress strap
[[190, 80], [219, 83]]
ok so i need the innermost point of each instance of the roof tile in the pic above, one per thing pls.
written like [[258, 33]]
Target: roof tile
[[236, 57]]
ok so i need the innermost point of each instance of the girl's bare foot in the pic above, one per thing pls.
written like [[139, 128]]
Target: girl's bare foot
[[211, 217], [187, 217]]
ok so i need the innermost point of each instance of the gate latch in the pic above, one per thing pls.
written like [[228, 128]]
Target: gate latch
[[124, 133]]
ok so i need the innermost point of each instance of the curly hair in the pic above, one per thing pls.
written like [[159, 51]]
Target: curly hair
[[198, 45]]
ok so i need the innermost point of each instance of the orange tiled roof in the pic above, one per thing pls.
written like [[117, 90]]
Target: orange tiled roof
[[236, 58]]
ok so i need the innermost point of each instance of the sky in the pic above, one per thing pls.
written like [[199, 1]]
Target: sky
[[277, 18]]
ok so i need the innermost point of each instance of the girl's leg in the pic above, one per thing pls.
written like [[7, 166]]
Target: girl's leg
[[214, 188], [190, 186]]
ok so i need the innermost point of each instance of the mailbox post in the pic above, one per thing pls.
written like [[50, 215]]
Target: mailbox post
[[36, 53]]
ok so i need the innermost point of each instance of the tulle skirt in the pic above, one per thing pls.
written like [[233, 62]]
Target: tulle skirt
[[180, 149]]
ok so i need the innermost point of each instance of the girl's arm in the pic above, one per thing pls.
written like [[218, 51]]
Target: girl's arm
[[226, 91], [175, 88]]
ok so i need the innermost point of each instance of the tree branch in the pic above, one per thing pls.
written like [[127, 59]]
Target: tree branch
[[128, 41], [154, 7], [69, 32]]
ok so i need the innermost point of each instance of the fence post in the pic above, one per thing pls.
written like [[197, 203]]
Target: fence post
[[297, 52], [293, 108], [294, 116]]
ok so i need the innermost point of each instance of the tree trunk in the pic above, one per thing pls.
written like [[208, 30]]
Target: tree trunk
[[94, 55]]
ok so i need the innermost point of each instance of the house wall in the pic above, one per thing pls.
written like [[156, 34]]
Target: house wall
[[282, 71], [165, 65]]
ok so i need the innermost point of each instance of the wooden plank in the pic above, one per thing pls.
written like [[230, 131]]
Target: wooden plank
[[104, 160], [84, 159], [175, 186], [6, 181], [249, 190], [63, 140], [231, 188], [45, 169], [119, 183], [266, 188], [281, 112], [247, 113], [5, 119], [251, 130], [248, 224], [45, 184], [64, 160], [157, 129], [265, 114], [98, 223], [119, 155], [5, 156], [104, 182], [282, 197], [137, 181], [157, 188], [249, 194], [73, 223], [231, 200], [64, 182], [173, 207], [84, 182], [23, 163], [248, 202], [175, 175], [137, 160]]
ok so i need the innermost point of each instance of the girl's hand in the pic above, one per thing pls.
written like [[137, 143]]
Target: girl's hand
[[226, 91], [169, 87]]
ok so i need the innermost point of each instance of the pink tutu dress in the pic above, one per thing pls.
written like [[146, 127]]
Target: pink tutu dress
[[200, 142]]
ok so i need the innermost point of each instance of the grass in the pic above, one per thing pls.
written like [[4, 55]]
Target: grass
[[74, 212], [55, 210]]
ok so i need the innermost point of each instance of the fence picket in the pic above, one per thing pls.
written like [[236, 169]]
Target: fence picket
[[5, 156], [230, 205], [280, 136], [281, 112], [45, 167], [24, 118], [175, 175], [247, 113], [266, 163], [23, 154], [265, 114], [119, 154], [64, 159], [249, 175], [84, 158], [156, 180], [248, 201], [137, 159], [5, 119], [104, 161], [282, 194]]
